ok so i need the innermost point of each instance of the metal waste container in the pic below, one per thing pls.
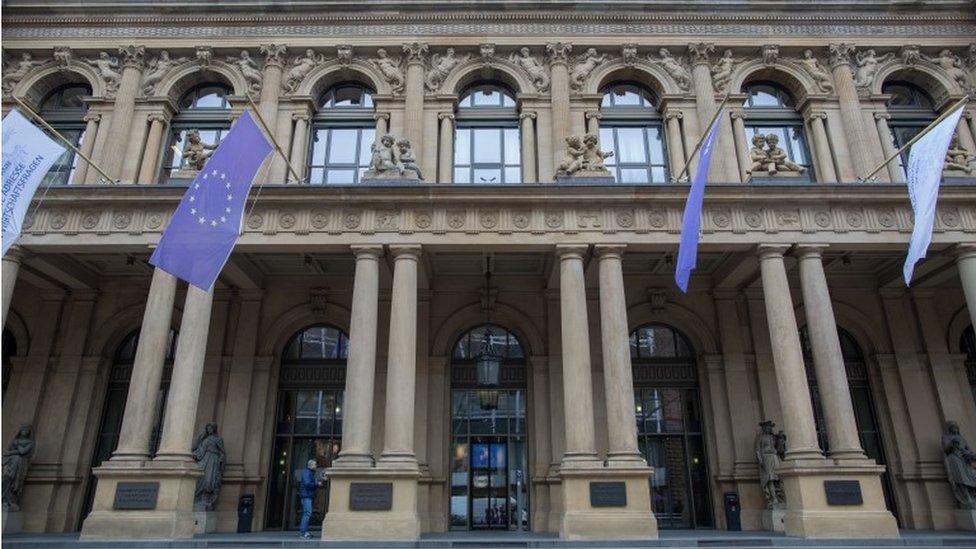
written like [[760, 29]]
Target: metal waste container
[[245, 513], [733, 512]]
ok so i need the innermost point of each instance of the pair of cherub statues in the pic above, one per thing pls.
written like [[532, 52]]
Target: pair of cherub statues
[[392, 158], [768, 158], [583, 154]]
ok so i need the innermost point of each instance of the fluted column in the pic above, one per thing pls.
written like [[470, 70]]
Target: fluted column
[[558, 53], [274, 60], [723, 167], [965, 261], [618, 380], [575, 336], [149, 168], [676, 156], [850, 108], [527, 120], [401, 371], [357, 418], [184, 388], [825, 164], [888, 145], [299, 145], [791, 379], [147, 369], [11, 266], [445, 172], [741, 143], [92, 120], [971, 120], [965, 137], [133, 63], [416, 54], [835, 394], [593, 122]]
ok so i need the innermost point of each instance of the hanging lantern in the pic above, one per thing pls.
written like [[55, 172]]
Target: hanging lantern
[[488, 363]]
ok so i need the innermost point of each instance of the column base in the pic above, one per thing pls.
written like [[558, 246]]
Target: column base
[[204, 522], [965, 519], [773, 520], [13, 521], [618, 507], [810, 515], [385, 510], [171, 516]]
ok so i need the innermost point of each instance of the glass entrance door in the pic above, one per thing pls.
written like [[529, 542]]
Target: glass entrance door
[[489, 484]]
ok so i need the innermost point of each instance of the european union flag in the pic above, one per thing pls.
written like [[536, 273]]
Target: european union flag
[[205, 226]]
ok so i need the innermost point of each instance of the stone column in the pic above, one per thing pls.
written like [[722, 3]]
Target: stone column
[[965, 261], [827, 357], [741, 143], [445, 171], [11, 266], [618, 381], [527, 120], [676, 155], [133, 62], [92, 120], [357, 418], [850, 108], [402, 359], [147, 370], [149, 168], [791, 379], [274, 60], [971, 120], [888, 145], [382, 123], [558, 53], [413, 126], [825, 164], [593, 122], [184, 390], [723, 167], [299, 145], [577, 378]]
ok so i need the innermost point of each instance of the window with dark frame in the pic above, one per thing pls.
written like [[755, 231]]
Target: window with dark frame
[[631, 126], [911, 110], [343, 131], [487, 143], [205, 108], [64, 109], [770, 109]]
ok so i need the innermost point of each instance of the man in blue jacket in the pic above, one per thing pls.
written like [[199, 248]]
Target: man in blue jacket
[[306, 492]]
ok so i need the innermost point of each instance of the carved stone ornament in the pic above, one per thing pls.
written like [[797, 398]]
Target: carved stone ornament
[[107, 67], [441, 66], [16, 461], [672, 65], [195, 151], [700, 51], [959, 159], [249, 70], [583, 65], [959, 460], [533, 67], [583, 158], [157, 68], [344, 54], [722, 70], [910, 55], [208, 452], [416, 52], [768, 158], [62, 57], [487, 53], [15, 71], [867, 67], [393, 158], [628, 53], [952, 65], [274, 54], [317, 299], [816, 71], [301, 65], [770, 53], [391, 68], [840, 54], [204, 55]]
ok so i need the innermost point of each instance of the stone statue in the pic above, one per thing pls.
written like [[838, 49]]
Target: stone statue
[[392, 159], [157, 69], [108, 69], [758, 155], [208, 451], [16, 461], [958, 158], [593, 157], [390, 68], [407, 160], [781, 444], [816, 70], [867, 67], [573, 160], [769, 461], [249, 69], [383, 158], [195, 151], [778, 158], [300, 67], [722, 71], [440, 67], [532, 67], [952, 65], [673, 66], [583, 66], [959, 461], [16, 71]]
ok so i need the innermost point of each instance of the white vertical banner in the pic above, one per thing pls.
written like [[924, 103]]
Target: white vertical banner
[[28, 153], [924, 173]]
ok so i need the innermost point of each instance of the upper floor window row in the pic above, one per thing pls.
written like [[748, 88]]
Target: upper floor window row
[[64, 109]]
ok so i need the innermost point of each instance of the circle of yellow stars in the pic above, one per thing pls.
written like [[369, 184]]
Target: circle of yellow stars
[[218, 177]]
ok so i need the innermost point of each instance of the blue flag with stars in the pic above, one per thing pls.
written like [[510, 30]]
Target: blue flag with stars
[[205, 226]]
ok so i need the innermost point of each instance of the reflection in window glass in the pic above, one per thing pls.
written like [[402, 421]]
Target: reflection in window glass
[[484, 155], [631, 127], [64, 110], [204, 108], [771, 110]]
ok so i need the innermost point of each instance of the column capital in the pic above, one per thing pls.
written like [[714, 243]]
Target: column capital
[[156, 117], [571, 251], [593, 114], [367, 251], [381, 116], [416, 53], [700, 51], [558, 53], [133, 56], [738, 114], [771, 251], [810, 250], [840, 54], [880, 115], [15, 254], [609, 251], [961, 251], [672, 113], [300, 116], [527, 114], [817, 115], [93, 117], [445, 116], [274, 54], [405, 251]]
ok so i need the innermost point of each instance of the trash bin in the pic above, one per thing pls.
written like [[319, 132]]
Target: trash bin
[[245, 513], [733, 512]]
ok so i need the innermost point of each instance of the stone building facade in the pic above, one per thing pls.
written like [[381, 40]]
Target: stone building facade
[[350, 324]]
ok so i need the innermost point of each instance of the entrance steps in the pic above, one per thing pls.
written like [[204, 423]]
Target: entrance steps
[[682, 539]]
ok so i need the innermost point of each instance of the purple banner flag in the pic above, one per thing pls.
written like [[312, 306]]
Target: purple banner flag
[[691, 222], [205, 226]]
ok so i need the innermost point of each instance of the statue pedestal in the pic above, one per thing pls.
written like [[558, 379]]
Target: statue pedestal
[[372, 503], [610, 502], [965, 519], [185, 174], [394, 179], [779, 178], [13, 521], [586, 177], [205, 522], [773, 520]]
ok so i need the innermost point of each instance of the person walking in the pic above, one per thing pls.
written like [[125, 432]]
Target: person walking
[[306, 492]]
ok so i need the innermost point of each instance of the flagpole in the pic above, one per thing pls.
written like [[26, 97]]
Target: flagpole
[[918, 136], [702, 138], [57, 134], [257, 112]]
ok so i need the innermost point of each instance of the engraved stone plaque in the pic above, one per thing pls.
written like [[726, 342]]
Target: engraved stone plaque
[[370, 496], [843, 492], [608, 494], [136, 496]]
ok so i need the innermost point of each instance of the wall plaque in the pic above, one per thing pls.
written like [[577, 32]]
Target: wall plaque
[[608, 494], [137, 496], [370, 496], [843, 492]]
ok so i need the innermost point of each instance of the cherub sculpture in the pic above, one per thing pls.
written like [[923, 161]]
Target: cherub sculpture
[[672, 65], [573, 160], [249, 69], [816, 70], [407, 161], [758, 155], [583, 66], [777, 157], [593, 157], [441, 66], [390, 68], [722, 71], [195, 151], [532, 67], [958, 158], [15, 71], [300, 67], [157, 69]]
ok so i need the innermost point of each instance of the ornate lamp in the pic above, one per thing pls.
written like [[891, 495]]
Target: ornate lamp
[[488, 362]]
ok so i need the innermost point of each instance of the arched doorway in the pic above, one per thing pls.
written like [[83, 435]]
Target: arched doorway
[[308, 422], [670, 429], [489, 461], [967, 345], [114, 406], [865, 414]]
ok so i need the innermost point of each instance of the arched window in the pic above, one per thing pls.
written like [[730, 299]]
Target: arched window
[[308, 421], [487, 146], [342, 134], [204, 108], [64, 109], [632, 127], [770, 109], [911, 110], [670, 426]]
